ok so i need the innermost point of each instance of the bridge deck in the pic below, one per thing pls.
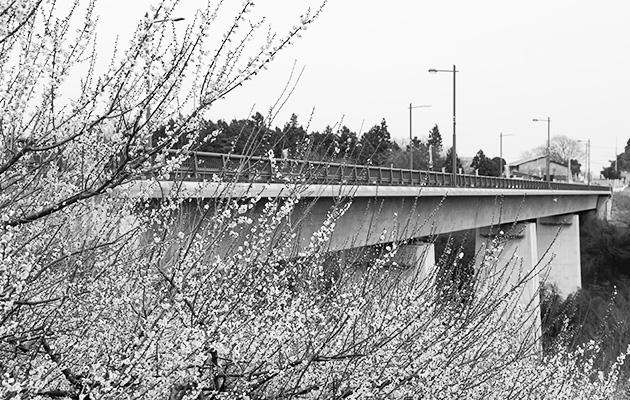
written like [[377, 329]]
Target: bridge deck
[[200, 166], [216, 190], [411, 204]]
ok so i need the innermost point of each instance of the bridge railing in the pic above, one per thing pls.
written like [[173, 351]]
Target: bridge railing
[[207, 166]]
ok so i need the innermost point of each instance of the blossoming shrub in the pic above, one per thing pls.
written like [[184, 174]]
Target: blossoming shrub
[[157, 308], [107, 293]]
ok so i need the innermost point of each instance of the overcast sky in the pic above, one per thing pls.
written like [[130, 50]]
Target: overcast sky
[[366, 60]]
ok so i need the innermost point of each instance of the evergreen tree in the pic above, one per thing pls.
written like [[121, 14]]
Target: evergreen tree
[[624, 158], [248, 137], [575, 167], [290, 139], [434, 145], [484, 165], [500, 163], [420, 155], [216, 137], [376, 145], [324, 146], [347, 145], [611, 173], [447, 164]]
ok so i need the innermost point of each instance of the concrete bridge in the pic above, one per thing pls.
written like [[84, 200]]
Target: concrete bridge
[[540, 220]]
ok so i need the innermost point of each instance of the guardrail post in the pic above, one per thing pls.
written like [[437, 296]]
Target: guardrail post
[[195, 162], [309, 169], [223, 169]]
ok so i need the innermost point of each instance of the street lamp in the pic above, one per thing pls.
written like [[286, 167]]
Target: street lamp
[[501, 135], [588, 160], [410, 135], [548, 178], [454, 153]]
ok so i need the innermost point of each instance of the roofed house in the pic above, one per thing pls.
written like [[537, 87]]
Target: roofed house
[[536, 167]]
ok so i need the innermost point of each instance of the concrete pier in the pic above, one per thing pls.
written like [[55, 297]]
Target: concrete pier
[[508, 258], [559, 247], [419, 257]]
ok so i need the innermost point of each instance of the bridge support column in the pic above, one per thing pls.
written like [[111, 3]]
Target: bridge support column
[[559, 247], [604, 208], [516, 263], [419, 257]]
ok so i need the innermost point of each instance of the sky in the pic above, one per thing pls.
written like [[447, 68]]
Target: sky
[[365, 60]]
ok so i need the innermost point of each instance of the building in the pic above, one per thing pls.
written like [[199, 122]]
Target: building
[[535, 168]]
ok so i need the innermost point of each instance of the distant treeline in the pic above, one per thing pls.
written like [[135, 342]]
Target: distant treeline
[[254, 136]]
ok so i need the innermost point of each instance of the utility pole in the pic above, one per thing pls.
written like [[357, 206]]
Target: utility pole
[[501, 135], [588, 161], [454, 148], [411, 135], [548, 120]]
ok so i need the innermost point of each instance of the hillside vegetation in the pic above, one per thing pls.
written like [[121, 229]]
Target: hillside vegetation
[[599, 311]]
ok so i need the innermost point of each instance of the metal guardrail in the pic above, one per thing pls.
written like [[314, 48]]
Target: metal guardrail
[[205, 166]]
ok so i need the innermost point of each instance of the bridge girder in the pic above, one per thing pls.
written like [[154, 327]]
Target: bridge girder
[[391, 213]]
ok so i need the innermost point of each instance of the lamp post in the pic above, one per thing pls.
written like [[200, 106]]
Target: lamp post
[[454, 152], [588, 160], [410, 135], [501, 135], [548, 177]]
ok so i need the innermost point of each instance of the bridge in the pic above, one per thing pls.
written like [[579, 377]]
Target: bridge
[[539, 220]]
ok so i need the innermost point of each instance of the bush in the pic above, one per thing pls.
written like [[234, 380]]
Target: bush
[[605, 252], [596, 314], [173, 314]]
